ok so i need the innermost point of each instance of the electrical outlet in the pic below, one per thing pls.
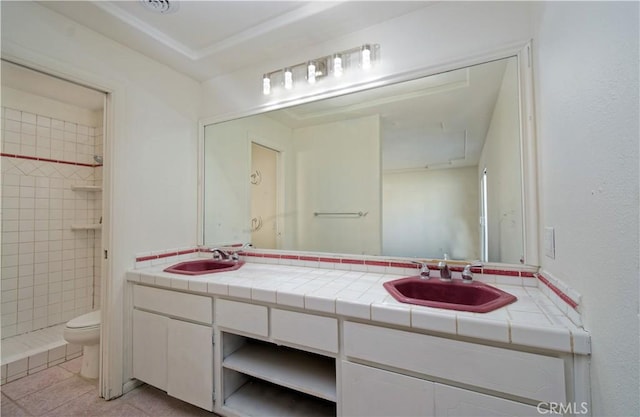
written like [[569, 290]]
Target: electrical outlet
[[550, 242]]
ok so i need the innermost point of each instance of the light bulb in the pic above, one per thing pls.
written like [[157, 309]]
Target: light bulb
[[288, 79], [266, 85], [311, 73], [337, 66], [366, 57]]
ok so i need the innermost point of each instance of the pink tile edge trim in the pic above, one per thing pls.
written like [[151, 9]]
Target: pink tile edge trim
[[558, 292], [350, 261], [166, 255], [385, 263], [57, 161]]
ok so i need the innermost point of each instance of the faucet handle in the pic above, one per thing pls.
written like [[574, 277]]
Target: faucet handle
[[424, 269], [467, 275]]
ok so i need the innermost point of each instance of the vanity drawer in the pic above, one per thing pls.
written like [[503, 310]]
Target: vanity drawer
[[243, 317], [305, 330], [172, 303], [527, 375]]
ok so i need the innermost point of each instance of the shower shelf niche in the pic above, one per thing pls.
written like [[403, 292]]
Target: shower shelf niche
[[96, 226], [89, 188]]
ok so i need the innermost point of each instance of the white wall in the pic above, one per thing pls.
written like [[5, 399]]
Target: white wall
[[154, 148], [338, 170], [502, 158], [429, 213], [36, 104], [586, 73]]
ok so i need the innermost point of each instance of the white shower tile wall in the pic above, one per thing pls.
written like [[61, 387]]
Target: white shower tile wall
[[48, 270]]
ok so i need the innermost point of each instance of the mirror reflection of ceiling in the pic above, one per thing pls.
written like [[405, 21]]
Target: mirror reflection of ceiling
[[433, 122], [34, 82]]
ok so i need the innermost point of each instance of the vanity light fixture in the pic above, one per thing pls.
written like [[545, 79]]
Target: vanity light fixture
[[337, 65], [266, 85], [365, 57], [362, 57], [288, 79], [311, 73]]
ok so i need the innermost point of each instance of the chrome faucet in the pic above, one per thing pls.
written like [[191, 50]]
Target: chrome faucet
[[219, 254], [467, 275], [445, 272]]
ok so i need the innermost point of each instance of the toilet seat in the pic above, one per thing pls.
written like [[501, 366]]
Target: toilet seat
[[85, 321]]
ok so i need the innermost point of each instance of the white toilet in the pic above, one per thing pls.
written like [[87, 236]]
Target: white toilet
[[84, 330]]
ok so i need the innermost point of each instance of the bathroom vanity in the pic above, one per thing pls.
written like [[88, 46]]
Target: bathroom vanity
[[284, 340]]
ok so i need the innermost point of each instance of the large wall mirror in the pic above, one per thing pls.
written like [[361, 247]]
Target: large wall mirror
[[420, 168]]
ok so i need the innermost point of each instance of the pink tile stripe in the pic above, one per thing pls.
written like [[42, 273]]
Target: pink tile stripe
[[165, 255], [395, 264], [558, 291], [347, 261], [57, 161]]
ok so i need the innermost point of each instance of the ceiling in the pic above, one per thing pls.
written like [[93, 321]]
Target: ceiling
[[204, 39]]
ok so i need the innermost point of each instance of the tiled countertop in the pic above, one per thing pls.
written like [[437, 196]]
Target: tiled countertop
[[532, 321]]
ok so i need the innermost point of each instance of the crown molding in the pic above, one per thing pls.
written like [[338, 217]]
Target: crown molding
[[246, 35]]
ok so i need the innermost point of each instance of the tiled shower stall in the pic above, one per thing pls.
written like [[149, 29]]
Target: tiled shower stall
[[51, 238]]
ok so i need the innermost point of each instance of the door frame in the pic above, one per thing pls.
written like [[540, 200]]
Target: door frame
[[111, 374], [280, 183]]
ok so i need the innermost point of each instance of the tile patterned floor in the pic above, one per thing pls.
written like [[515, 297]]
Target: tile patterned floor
[[59, 391]]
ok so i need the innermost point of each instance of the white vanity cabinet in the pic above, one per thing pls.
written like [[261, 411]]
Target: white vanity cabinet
[[270, 360], [169, 352], [533, 377]]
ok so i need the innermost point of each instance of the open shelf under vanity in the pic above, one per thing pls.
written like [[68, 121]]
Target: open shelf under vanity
[[262, 378]]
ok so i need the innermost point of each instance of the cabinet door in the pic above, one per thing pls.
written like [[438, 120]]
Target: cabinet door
[[190, 363], [453, 402], [150, 348], [369, 392]]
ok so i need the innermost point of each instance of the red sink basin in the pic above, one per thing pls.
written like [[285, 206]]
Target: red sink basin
[[204, 266], [453, 295]]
